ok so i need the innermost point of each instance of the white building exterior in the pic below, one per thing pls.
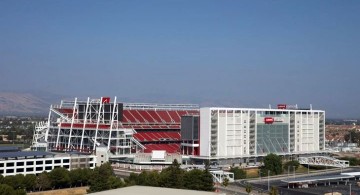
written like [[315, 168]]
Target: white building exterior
[[30, 164], [249, 132]]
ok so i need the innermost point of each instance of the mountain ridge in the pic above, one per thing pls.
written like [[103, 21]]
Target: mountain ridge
[[26, 103]]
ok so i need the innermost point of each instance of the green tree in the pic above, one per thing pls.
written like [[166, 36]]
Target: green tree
[[19, 180], [75, 177], [6, 189], [115, 182], [352, 161], [100, 177], [225, 182], [11, 134], [207, 181], [193, 179], [248, 188], [59, 177], [238, 173], [290, 164], [19, 192], [273, 191], [131, 180], [29, 182], [272, 163], [147, 178], [86, 176], [172, 177], [10, 180], [353, 136], [43, 181]]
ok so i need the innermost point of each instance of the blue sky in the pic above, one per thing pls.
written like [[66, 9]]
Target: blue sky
[[226, 53]]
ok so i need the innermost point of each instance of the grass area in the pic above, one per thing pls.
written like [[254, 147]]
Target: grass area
[[304, 169], [301, 169], [252, 173], [67, 191], [21, 145]]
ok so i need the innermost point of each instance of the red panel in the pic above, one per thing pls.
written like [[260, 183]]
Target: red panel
[[147, 116], [87, 126], [281, 106], [137, 116], [165, 116], [105, 100], [65, 110], [129, 116], [154, 115], [174, 116], [269, 120], [169, 148]]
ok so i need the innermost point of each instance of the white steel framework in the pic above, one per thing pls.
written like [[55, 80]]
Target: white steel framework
[[323, 161], [83, 125]]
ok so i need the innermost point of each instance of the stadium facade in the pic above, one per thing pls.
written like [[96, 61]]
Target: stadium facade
[[124, 128], [217, 134], [246, 132]]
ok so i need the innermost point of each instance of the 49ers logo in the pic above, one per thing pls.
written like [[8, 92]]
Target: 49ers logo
[[269, 120]]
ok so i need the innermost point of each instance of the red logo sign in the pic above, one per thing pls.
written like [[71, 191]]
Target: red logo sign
[[105, 100], [281, 106], [268, 120]]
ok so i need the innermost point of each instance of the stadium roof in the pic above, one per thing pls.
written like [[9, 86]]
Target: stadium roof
[[24, 154], [316, 178]]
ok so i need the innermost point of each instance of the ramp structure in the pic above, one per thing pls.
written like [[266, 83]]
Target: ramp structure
[[323, 161]]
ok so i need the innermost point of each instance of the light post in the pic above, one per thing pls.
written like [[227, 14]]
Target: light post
[[350, 188], [260, 175], [294, 171], [269, 180], [288, 172]]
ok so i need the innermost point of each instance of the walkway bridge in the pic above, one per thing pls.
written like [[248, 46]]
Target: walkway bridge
[[323, 161]]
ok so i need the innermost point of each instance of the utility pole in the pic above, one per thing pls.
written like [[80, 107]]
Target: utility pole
[[308, 169], [260, 174], [288, 172], [269, 180], [350, 188], [294, 171]]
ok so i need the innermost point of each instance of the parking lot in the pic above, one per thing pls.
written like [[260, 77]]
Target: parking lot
[[320, 186]]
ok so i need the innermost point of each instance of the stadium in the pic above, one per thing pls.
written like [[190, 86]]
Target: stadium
[[129, 131]]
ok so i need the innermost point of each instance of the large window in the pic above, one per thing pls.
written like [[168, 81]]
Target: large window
[[10, 164], [272, 138]]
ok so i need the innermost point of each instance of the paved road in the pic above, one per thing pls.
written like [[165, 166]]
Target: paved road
[[321, 189]]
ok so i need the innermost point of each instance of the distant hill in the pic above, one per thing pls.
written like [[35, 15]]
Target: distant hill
[[29, 103]]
